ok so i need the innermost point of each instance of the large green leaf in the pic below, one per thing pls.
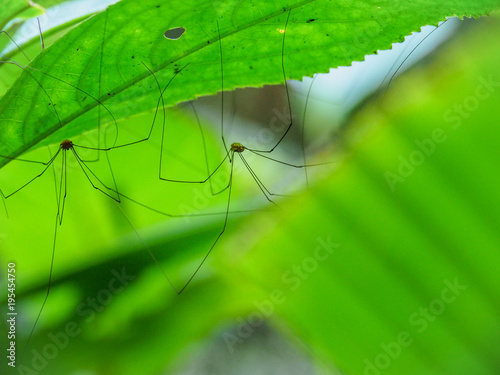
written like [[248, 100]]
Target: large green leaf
[[102, 60]]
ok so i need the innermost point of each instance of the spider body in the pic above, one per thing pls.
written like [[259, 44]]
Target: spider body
[[66, 144], [237, 147]]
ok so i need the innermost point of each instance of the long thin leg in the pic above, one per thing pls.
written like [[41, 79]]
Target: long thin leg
[[290, 165], [163, 213], [259, 182], [160, 169], [84, 166], [146, 247], [63, 189], [13, 41], [204, 146], [41, 35], [222, 93], [201, 181], [105, 140], [34, 178], [112, 175], [403, 62], [99, 91], [160, 100], [228, 154], [54, 175], [203, 138], [25, 160], [61, 202], [209, 178], [27, 69], [24, 68], [4, 204], [304, 159], [48, 287], [286, 89], [221, 232], [58, 222]]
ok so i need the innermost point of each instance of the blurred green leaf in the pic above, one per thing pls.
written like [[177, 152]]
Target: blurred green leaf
[[414, 216]]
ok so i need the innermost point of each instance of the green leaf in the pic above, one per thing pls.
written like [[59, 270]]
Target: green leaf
[[60, 87]]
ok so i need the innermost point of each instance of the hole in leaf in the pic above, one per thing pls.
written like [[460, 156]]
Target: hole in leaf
[[175, 33]]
